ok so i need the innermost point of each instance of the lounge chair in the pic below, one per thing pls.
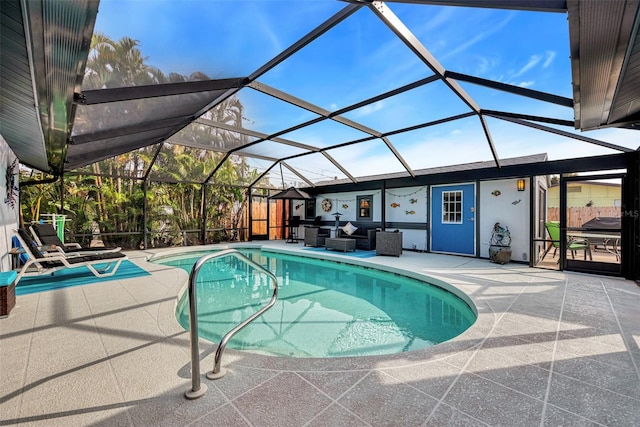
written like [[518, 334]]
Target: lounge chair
[[45, 235], [46, 263], [573, 244]]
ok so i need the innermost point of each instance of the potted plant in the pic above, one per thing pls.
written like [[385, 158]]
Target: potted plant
[[500, 244]]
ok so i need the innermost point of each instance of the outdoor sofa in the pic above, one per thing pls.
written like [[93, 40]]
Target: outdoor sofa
[[365, 237]]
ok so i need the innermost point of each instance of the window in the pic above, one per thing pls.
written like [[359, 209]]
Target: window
[[310, 209], [452, 207], [365, 205]]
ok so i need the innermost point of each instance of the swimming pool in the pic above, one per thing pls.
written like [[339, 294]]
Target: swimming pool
[[324, 308]]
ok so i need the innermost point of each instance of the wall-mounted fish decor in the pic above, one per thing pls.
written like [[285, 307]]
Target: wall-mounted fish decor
[[298, 206], [395, 205], [515, 202], [412, 201], [345, 206], [409, 212], [496, 193]]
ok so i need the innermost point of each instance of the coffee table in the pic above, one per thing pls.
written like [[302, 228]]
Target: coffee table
[[340, 244]]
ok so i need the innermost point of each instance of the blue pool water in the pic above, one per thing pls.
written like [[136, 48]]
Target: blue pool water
[[324, 308]]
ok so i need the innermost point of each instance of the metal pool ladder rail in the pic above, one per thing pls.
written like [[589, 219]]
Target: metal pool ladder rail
[[198, 389]]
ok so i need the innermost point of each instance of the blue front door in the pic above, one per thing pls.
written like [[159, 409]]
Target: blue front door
[[453, 227]]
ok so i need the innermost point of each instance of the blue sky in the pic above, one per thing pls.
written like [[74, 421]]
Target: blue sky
[[361, 58]]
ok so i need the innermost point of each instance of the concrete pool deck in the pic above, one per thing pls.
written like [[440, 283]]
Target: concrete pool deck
[[549, 348]]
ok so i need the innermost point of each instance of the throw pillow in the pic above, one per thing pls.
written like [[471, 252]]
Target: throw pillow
[[349, 228]]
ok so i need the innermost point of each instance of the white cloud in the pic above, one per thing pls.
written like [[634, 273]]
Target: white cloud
[[533, 61], [550, 57], [368, 109], [481, 36], [484, 65], [452, 53], [527, 83], [440, 19]]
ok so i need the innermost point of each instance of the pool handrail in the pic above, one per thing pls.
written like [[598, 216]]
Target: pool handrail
[[198, 389]]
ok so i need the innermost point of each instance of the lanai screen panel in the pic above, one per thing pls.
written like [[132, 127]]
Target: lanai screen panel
[[206, 137], [179, 163], [357, 59], [325, 133], [426, 103], [242, 171], [317, 168], [272, 149], [521, 48], [119, 114], [79, 155], [103, 130], [513, 140], [133, 165], [449, 143], [283, 178], [219, 39], [495, 100], [269, 115], [367, 158], [348, 67]]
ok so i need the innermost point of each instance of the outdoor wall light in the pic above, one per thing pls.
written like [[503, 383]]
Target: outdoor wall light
[[521, 184]]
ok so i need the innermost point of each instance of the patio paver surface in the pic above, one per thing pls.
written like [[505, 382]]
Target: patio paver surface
[[549, 348]]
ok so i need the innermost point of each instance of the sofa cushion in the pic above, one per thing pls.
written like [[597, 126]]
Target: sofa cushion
[[349, 228]]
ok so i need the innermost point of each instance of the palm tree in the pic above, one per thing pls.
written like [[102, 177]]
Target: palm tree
[[116, 64], [110, 190]]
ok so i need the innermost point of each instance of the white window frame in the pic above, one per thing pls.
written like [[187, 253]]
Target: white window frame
[[447, 213]]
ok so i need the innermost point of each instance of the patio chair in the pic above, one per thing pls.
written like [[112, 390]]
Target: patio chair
[[573, 244], [47, 263], [315, 236], [45, 235]]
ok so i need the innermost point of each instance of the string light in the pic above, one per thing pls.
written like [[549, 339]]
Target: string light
[[407, 195]]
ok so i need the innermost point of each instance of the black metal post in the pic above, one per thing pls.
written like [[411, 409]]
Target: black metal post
[[563, 223], [383, 205], [203, 214], [630, 221], [61, 209], [144, 214]]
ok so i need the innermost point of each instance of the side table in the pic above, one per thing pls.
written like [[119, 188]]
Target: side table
[[389, 243], [340, 244], [7, 292]]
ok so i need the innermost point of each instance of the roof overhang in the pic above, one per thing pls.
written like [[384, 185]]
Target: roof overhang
[[44, 51], [605, 63]]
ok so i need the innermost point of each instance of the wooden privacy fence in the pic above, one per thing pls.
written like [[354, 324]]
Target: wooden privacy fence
[[579, 215]]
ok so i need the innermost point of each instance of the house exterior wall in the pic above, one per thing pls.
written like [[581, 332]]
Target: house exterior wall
[[346, 204], [402, 206], [406, 209], [410, 207], [9, 204], [500, 201], [581, 194]]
